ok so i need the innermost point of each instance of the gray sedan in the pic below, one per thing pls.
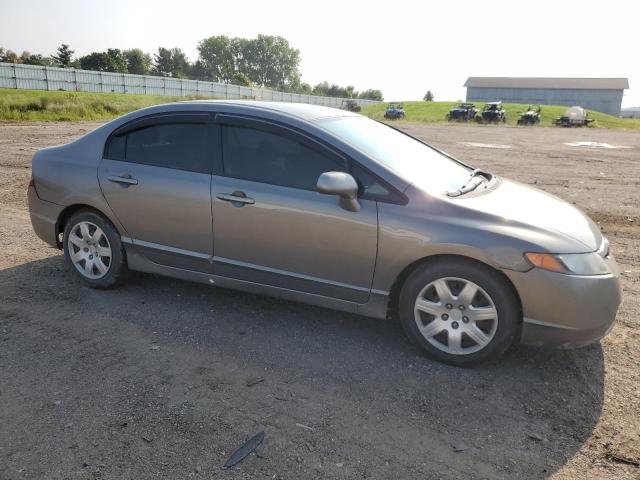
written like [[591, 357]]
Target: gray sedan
[[329, 208]]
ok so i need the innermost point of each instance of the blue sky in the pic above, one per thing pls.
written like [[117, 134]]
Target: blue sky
[[400, 47]]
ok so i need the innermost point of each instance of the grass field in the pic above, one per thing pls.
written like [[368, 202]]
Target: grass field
[[435, 112], [40, 105]]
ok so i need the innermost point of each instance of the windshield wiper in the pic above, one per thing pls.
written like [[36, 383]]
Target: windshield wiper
[[478, 177]]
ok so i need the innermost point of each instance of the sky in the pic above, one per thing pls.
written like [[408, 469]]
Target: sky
[[403, 48]]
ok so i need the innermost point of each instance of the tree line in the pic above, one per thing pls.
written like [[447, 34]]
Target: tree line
[[265, 61]]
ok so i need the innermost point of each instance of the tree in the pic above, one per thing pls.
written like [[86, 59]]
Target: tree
[[304, 88], [271, 61], [171, 63], [321, 89], [372, 95], [94, 61], [113, 60], [181, 64], [138, 62], [162, 63], [267, 61], [241, 79], [428, 97], [64, 56], [116, 61], [217, 57], [326, 90], [9, 56], [198, 71], [36, 59]]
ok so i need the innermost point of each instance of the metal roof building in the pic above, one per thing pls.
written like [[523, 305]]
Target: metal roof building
[[599, 94]]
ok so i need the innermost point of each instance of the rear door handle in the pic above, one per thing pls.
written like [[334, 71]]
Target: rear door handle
[[125, 179], [236, 197]]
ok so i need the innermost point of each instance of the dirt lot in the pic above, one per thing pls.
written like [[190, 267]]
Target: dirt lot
[[150, 381]]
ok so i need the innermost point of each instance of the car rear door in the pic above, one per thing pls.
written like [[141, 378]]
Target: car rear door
[[272, 227], [156, 177]]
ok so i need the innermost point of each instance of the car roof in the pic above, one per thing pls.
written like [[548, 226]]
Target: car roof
[[302, 111]]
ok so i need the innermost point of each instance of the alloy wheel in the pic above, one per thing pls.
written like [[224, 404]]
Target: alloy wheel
[[89, 250], [456, 315]]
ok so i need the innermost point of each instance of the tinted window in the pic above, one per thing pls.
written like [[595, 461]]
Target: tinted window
[[182, 146], [115, 147], [367, 183], [266, 157]]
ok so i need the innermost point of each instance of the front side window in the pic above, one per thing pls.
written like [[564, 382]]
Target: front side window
[[266, 157], [412, 160]]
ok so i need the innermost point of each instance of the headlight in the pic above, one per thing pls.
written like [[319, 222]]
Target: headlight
[[569, 263]]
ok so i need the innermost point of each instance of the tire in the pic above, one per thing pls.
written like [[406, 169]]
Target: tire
[[93, 250], [495, 307]]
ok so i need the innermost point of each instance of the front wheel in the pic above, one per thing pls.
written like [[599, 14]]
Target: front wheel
[[93, 248], [459, 312]]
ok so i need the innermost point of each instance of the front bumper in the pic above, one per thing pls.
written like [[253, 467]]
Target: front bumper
[[567, 311], [44, 216]]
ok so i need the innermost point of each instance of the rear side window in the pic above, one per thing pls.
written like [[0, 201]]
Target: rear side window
[[266, 157], [115, 147], [181, 146]]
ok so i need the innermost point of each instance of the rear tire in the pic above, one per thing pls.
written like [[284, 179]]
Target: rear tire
[[93, 250], [459, 311]]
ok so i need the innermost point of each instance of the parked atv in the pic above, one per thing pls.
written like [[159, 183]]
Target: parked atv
[[574, 117], [351, 106], [492, 112], [395, 111], [531, 116], [462, 113]]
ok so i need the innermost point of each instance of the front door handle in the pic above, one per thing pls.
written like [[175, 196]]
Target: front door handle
[[236, 197], [124, 179]]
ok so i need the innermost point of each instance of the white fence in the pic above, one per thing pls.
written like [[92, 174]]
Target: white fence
[[32, 77]]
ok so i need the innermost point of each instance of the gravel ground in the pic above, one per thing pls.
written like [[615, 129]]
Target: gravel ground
[[150, 380]]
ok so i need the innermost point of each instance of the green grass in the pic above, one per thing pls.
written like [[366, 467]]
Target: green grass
[[434, 112], [40, 105]]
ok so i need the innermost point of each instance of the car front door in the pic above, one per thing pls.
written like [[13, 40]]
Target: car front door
[[156, 177], [272, 227]]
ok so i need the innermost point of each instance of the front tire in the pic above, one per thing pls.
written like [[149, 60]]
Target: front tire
[[459, 312], [93, 249]]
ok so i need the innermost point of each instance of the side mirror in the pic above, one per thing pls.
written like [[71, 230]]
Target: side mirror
[[342, 184]]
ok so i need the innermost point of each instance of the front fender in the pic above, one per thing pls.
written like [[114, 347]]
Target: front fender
[[405, 236]]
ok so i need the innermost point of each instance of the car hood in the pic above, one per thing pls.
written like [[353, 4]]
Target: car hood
[[515, 205]]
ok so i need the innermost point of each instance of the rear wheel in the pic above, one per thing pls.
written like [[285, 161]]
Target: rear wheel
[[93, 248], [459, 312]]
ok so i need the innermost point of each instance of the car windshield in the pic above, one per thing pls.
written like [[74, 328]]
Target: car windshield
[[412, 160]]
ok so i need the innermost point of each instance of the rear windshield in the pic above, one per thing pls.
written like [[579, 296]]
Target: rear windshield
[[412, 160]]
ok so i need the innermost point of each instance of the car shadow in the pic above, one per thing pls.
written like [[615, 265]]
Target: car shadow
[[529, 412]]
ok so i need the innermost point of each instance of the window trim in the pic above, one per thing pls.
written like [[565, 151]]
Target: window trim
[[238, 120], [168, 118], [160, 119]]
